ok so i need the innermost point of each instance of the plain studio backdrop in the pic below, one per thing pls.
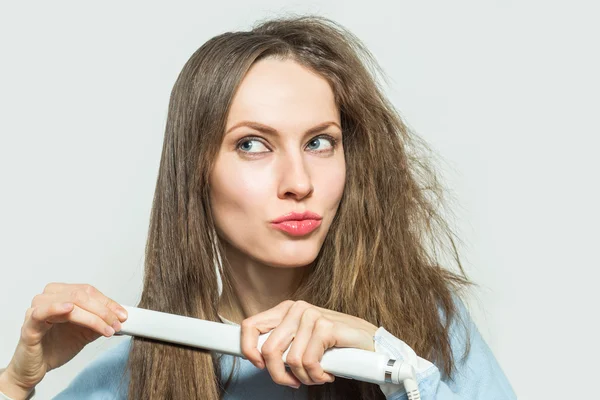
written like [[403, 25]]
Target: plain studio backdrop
[[505, 92]]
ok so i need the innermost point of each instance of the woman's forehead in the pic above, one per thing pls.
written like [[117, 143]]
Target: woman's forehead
[[283, 95]]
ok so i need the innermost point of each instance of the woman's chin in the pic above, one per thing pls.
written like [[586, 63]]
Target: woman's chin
[[289, 263], [295, 254], [286, 260]]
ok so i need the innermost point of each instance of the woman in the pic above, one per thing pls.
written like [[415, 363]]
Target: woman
[[291, 197]]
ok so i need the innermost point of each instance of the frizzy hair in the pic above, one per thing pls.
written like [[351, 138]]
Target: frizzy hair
[[380, 260]]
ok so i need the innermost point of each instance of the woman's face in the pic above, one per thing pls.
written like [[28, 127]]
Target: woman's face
[[290, 160]]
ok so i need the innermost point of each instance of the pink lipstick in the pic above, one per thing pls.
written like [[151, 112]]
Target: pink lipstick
[[297, 224]]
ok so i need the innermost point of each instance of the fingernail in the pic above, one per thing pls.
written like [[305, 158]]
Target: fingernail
[[121, 314], [116, 326], [259, 365], [109, 331], [295, 387]]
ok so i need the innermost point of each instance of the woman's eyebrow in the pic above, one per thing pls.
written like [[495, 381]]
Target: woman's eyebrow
[[272, 131]]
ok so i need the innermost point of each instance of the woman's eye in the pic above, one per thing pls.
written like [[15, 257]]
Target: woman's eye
[[320, 143], [252, 146]]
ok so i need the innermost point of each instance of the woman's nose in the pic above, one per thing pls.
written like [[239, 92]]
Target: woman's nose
[[295, 180]]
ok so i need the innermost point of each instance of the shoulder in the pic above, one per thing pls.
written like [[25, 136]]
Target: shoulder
[[476, 366], [104, 378], [465, 337]]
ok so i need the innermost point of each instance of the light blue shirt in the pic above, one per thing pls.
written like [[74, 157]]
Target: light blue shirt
[[478, 377]]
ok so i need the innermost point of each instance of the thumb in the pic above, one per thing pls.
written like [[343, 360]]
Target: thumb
[[40, 319]]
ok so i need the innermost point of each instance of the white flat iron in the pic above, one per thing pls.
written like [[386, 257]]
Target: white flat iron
[[347, 363]]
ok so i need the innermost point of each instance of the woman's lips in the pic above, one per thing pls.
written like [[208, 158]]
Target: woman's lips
[[298, 228]]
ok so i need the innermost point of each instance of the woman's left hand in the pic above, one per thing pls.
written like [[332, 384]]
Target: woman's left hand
[[311, 330]]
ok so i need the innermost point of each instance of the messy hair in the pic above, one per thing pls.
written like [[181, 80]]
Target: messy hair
[[381, 260]]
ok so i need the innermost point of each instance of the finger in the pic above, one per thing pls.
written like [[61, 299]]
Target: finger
[[298, 347], [35, 325], [253, 327], [322, 338], [276, 367], [279, 341], [112, 305], [57, 287], [83, 300], [84, 318]]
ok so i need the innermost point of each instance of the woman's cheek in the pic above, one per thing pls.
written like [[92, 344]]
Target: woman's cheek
[[334, 184]]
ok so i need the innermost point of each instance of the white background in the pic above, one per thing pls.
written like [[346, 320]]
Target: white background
[[506, 92]]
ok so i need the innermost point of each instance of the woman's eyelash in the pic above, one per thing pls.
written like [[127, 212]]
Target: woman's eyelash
[[328, 137]]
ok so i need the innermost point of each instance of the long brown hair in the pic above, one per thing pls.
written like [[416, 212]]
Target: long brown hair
[[381, 257]]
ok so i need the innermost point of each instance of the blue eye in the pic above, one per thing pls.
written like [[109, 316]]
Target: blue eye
[[317, 141], [247, 146], [319, 144]]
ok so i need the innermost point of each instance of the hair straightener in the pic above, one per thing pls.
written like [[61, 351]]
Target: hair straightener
[[347, 363]]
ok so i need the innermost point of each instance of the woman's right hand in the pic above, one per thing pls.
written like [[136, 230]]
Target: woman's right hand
[[60, 322]]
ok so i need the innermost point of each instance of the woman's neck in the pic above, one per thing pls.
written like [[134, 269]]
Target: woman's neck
[[256, 287]]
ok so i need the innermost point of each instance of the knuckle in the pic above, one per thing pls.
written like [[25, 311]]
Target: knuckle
[[35, 314], [312, 313], [25, 332], [112, 305], [310, 364], [294, 360], [323, 323], [302, 304], [268, 350], [247, 324], [78, 296], [287, 303], [49, 288], [89, 289], [36, 300]]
